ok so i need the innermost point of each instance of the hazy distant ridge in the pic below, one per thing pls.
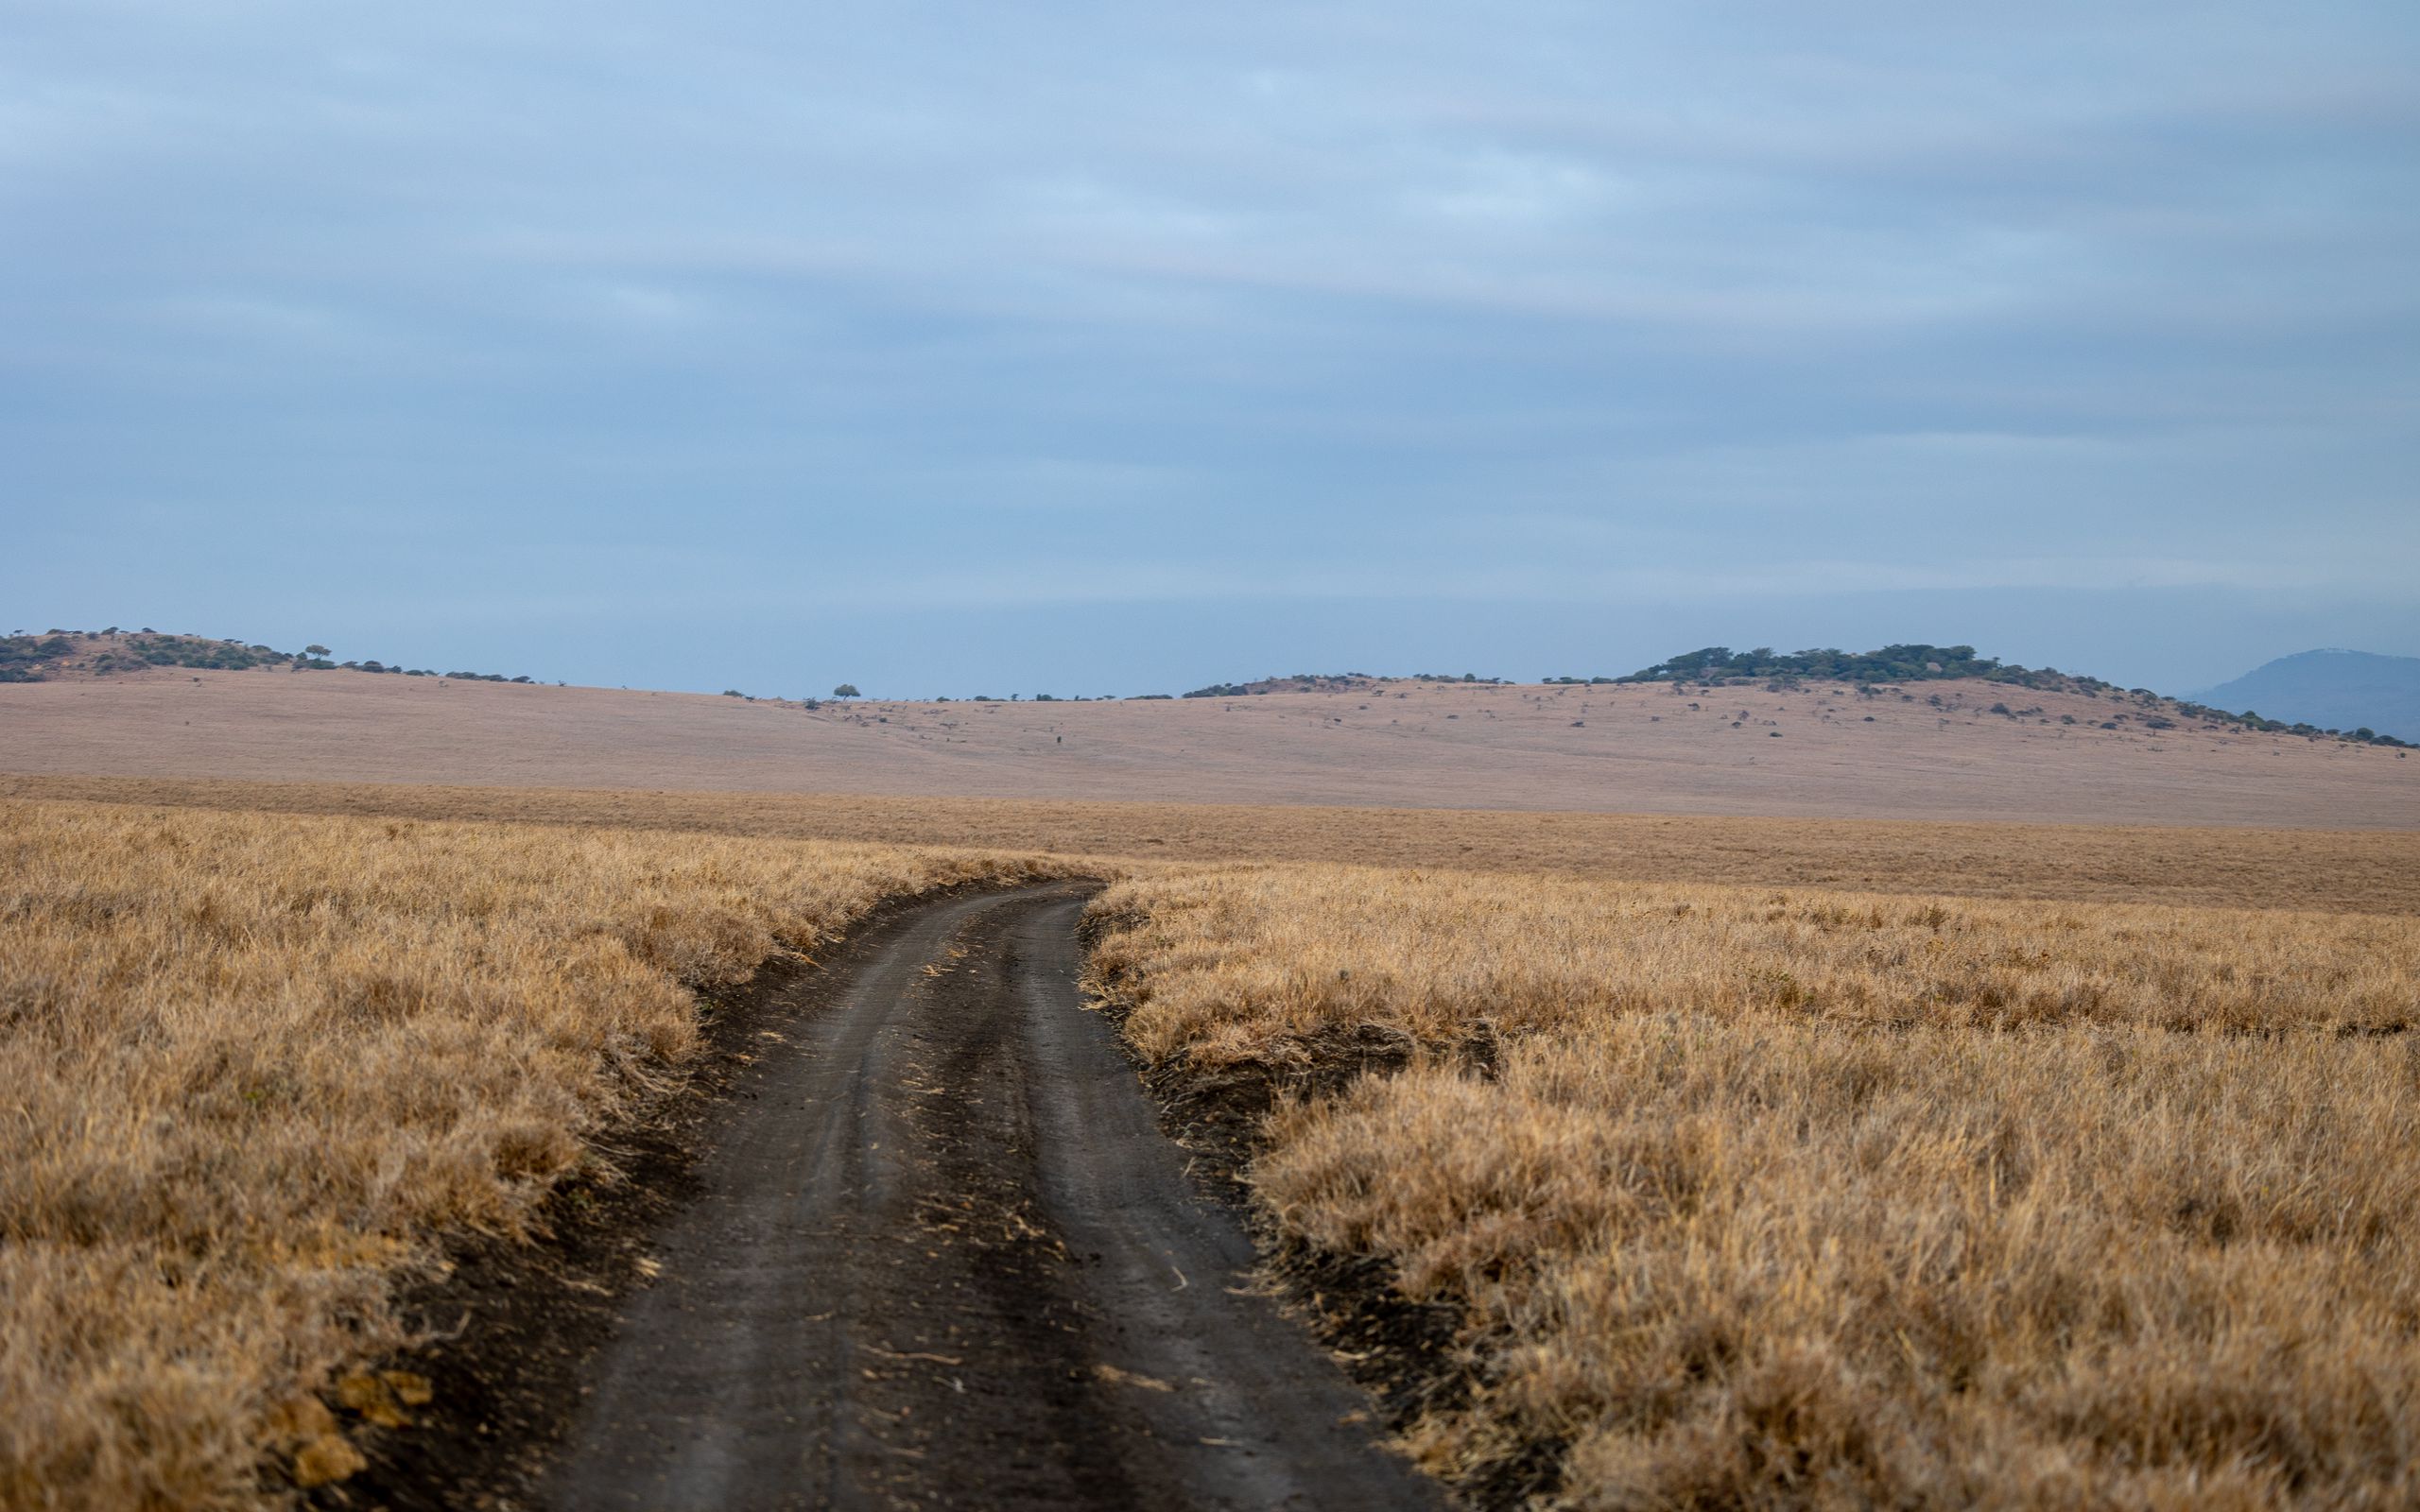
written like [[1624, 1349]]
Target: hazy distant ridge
[[2340, 690]]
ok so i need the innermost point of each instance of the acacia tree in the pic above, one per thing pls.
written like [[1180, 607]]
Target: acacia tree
[[846, 690]]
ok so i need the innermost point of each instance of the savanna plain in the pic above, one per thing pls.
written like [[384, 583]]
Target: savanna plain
[[1817, 1164]]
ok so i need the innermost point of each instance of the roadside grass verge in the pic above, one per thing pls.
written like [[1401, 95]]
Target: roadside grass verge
[[253, 1068], [1790, 1199]]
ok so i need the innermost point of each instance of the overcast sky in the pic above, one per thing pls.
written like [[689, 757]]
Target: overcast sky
[[1112, 347]]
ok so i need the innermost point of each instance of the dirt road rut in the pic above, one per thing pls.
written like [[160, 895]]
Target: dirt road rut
[[944, 1257]]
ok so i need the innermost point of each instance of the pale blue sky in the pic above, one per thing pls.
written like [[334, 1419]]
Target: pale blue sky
[[1096, 348]]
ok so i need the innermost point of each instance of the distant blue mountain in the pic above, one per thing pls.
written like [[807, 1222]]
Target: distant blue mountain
[[2334, 690]]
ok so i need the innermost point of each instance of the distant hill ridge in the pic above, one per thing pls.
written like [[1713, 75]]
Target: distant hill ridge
[[1910, 662], [2352, 690], [2350, 696], [1915, 661], [1717, 665], [25, 658], [1329, 682]]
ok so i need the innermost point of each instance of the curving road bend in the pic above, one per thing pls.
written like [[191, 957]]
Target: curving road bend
[[944, 1257]]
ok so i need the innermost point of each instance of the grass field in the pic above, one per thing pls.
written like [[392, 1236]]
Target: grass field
[[1948, 751], [1776, 1198], [2343, 870], [1763, 1194], [253, 1066]]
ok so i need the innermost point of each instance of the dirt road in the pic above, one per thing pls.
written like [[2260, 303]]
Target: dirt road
[[944, 1257]]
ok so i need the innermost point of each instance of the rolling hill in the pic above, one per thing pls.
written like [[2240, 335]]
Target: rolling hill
[[1953, 748]]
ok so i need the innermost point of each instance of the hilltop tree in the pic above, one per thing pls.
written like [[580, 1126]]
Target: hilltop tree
[[846, 690], [1892, 664]]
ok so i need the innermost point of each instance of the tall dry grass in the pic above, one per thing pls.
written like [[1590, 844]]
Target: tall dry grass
[[251, 1067], [1804, 1199]]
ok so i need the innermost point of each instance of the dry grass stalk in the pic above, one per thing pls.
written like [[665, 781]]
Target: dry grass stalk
[[251, 1065], [1812, 1200]]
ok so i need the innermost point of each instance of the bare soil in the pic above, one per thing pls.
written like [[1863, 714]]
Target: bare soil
[[1821, 751]]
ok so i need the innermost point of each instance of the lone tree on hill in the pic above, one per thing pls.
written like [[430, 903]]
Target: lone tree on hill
[[846, 690]]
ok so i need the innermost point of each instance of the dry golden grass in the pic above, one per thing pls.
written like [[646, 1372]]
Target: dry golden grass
[[2341, 870], [252, 1066], [1777, 1197], [1806, 1199]]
